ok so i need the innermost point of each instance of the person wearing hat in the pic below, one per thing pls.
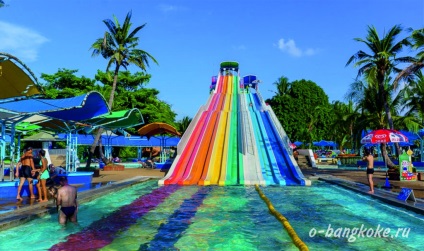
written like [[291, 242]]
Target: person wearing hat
[[26, 164]]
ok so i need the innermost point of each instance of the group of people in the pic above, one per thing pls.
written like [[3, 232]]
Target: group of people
[[64, 195], [147, 164]]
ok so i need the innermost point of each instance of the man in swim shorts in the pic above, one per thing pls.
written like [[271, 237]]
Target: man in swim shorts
[[67, 201], [369, 158], [26, 164]]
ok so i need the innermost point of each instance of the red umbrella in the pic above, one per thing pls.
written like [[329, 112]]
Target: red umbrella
[[384, 136], [292, 146]]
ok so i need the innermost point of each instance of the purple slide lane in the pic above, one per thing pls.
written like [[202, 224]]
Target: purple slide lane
[[102, 232]]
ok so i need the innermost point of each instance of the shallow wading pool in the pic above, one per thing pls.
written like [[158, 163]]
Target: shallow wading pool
[[147, 217]]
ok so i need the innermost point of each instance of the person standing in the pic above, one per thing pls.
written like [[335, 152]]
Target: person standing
[[43, 176], [67, 201], [26, 164], [369, 158], [296, 154]]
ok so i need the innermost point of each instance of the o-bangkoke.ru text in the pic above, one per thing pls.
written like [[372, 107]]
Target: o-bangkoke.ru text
[[361, 232]]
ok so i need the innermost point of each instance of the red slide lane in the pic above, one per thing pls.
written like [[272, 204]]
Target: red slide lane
[[190, 164], [185, 155], [200, 165], [181, 167]]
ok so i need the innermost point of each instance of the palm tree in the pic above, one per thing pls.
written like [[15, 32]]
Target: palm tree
[[382, 61], [417, 63], [380, 64], [183, 124], [119, 46], [413, 97], [346, 116]]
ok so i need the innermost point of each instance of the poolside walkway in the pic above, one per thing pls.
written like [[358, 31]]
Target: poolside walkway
[[359, 176], [357, 181]]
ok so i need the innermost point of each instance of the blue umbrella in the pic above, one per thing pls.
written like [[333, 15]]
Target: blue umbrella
[[321, 143], [298, 143]]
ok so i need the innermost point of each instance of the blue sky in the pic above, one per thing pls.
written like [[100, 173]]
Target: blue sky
[[298, 39]]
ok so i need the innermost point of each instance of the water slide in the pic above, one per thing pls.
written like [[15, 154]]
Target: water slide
[[233, 140]]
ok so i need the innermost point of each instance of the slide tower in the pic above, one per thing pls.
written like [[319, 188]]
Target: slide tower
[[234, 139]]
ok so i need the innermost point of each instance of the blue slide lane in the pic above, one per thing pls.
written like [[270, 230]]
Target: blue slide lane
[[268, 162], [285, 165], [168, 233]]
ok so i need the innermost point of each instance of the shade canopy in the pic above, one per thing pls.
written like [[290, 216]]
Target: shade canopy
[[122, 141], [118, 119], [15, 79], [26, 127], [158, 128], [43, 137]]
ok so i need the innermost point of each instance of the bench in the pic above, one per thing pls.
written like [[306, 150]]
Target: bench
[[327, 160]]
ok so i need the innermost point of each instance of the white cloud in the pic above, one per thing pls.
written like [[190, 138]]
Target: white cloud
[[241, 47], [20, 41], [291, 48], [169, 8]]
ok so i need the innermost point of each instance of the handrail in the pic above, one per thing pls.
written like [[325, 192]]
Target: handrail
[[292, 233]]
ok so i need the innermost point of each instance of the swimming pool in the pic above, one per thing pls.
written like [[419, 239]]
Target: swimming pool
[[148, 217]]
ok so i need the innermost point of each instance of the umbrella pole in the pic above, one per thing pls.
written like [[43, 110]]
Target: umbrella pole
[[387, 184]]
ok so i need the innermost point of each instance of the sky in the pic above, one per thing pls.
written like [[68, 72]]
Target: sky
[[297, 39]]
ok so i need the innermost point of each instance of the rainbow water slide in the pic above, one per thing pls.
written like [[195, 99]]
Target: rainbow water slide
[[234, 139]]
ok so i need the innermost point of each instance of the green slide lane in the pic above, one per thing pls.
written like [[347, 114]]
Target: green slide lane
[[232, 163]]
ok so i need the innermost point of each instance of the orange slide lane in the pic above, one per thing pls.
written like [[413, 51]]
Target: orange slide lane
[[181, 166], [190, 164], [185, 155], [200, 164], [205, 174]]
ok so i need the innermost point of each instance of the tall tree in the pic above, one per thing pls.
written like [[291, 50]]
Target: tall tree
[[119, 46], [381, 62], [417, 62], [413, 97], [183, 124], [290, 102]]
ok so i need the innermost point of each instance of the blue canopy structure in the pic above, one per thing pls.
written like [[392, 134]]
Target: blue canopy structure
[[78, 108], [123, 141]]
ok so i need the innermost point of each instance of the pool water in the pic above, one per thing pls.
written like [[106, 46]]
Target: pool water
[[148, 217]]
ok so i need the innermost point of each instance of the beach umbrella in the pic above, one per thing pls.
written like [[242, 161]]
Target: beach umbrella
[[321, 143], [161, 130], [384, 136], [293, 146], [298, 143]]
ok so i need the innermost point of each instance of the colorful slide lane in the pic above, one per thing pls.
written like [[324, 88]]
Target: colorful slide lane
[[234, 141], [278, 151], [213, 144], [269, 165]]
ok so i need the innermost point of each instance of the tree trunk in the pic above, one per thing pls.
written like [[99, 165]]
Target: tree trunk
[[100, 130], [93, 147], [102, 155], [387, 160]]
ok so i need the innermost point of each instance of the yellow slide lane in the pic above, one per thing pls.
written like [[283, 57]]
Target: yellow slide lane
[[227, 108], [215, 162]]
